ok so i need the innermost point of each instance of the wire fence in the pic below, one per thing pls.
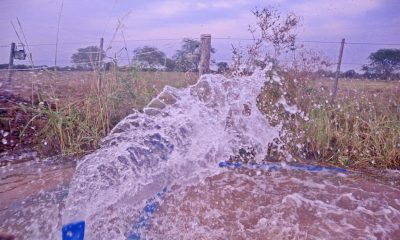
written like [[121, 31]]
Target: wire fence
[[121, 51]]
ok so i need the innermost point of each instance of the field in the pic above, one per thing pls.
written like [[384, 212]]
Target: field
[[63, 112]]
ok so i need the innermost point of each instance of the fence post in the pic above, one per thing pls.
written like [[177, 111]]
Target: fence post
[[10, 65], [100, 64], [335, 85], [205, 52]]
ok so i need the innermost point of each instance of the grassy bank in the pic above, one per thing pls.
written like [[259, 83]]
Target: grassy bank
[[64, 112], [360, 129]]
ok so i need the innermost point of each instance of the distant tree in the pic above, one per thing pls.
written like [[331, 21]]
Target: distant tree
[[19, 66], [88, 57], [150, 58], [188, 57], [350, 73], [222, 67], [170, 65], [384, 63]]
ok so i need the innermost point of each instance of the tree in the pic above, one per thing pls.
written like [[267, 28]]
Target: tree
[[275, 29], [170, 65], [88, 57], [383, 63], [350, 73], [272, 30], [188, 57], [222, 67], [151, 58]]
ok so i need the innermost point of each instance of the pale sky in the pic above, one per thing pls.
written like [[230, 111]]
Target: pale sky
[[163, 23]]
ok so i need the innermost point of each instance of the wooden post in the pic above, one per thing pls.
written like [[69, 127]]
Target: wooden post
[[205, 53], [10, 65], [100, 64], [335, 85]]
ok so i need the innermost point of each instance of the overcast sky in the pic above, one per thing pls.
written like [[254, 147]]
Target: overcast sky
[[83, 22]]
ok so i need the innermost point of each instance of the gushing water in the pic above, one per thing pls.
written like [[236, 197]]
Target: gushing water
[[179, 139]]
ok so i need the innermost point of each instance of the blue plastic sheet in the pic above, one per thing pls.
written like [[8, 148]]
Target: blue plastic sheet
[[142, 224], [74, 231]]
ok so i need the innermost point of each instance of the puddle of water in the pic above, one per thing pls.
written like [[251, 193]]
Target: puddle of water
[[253, 204], [32, 195]]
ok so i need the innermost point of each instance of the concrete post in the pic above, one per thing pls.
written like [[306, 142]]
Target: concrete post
[[335, 85]]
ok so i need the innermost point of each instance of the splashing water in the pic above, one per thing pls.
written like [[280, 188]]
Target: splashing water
[[179, 139]]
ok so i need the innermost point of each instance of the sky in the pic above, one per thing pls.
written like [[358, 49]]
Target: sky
[[164, 23]]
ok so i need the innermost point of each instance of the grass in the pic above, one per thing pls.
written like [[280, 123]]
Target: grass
[[73, 115], [361, 129]]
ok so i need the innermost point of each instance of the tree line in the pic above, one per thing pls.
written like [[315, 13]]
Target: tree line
[[149, 58]]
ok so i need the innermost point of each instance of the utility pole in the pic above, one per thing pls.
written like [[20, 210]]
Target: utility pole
[[335, 85], [205, 53], [100, 64], [10, 65]]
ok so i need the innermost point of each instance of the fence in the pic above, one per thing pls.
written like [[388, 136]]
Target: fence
[[123, 49], [120, 51]]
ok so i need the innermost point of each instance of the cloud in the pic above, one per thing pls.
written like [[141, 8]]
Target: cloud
[[172, 8], [326, 19], [219, 27], [336, 8]]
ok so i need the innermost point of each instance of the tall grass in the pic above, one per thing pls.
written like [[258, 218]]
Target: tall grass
[[361, 129], [357, 131], [75, 115]]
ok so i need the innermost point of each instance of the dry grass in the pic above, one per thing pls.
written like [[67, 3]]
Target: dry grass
[[73, 115], [362, 127]]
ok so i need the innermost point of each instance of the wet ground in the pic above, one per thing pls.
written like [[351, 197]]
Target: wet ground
[[234, 204], [253, 204], [31, 196]]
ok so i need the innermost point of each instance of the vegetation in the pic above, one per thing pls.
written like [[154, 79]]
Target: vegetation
[[188, 57], [150, 58], [361, 129], [272, 29], [223, 67], [384, 63], [68, 114], [88, 57]]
